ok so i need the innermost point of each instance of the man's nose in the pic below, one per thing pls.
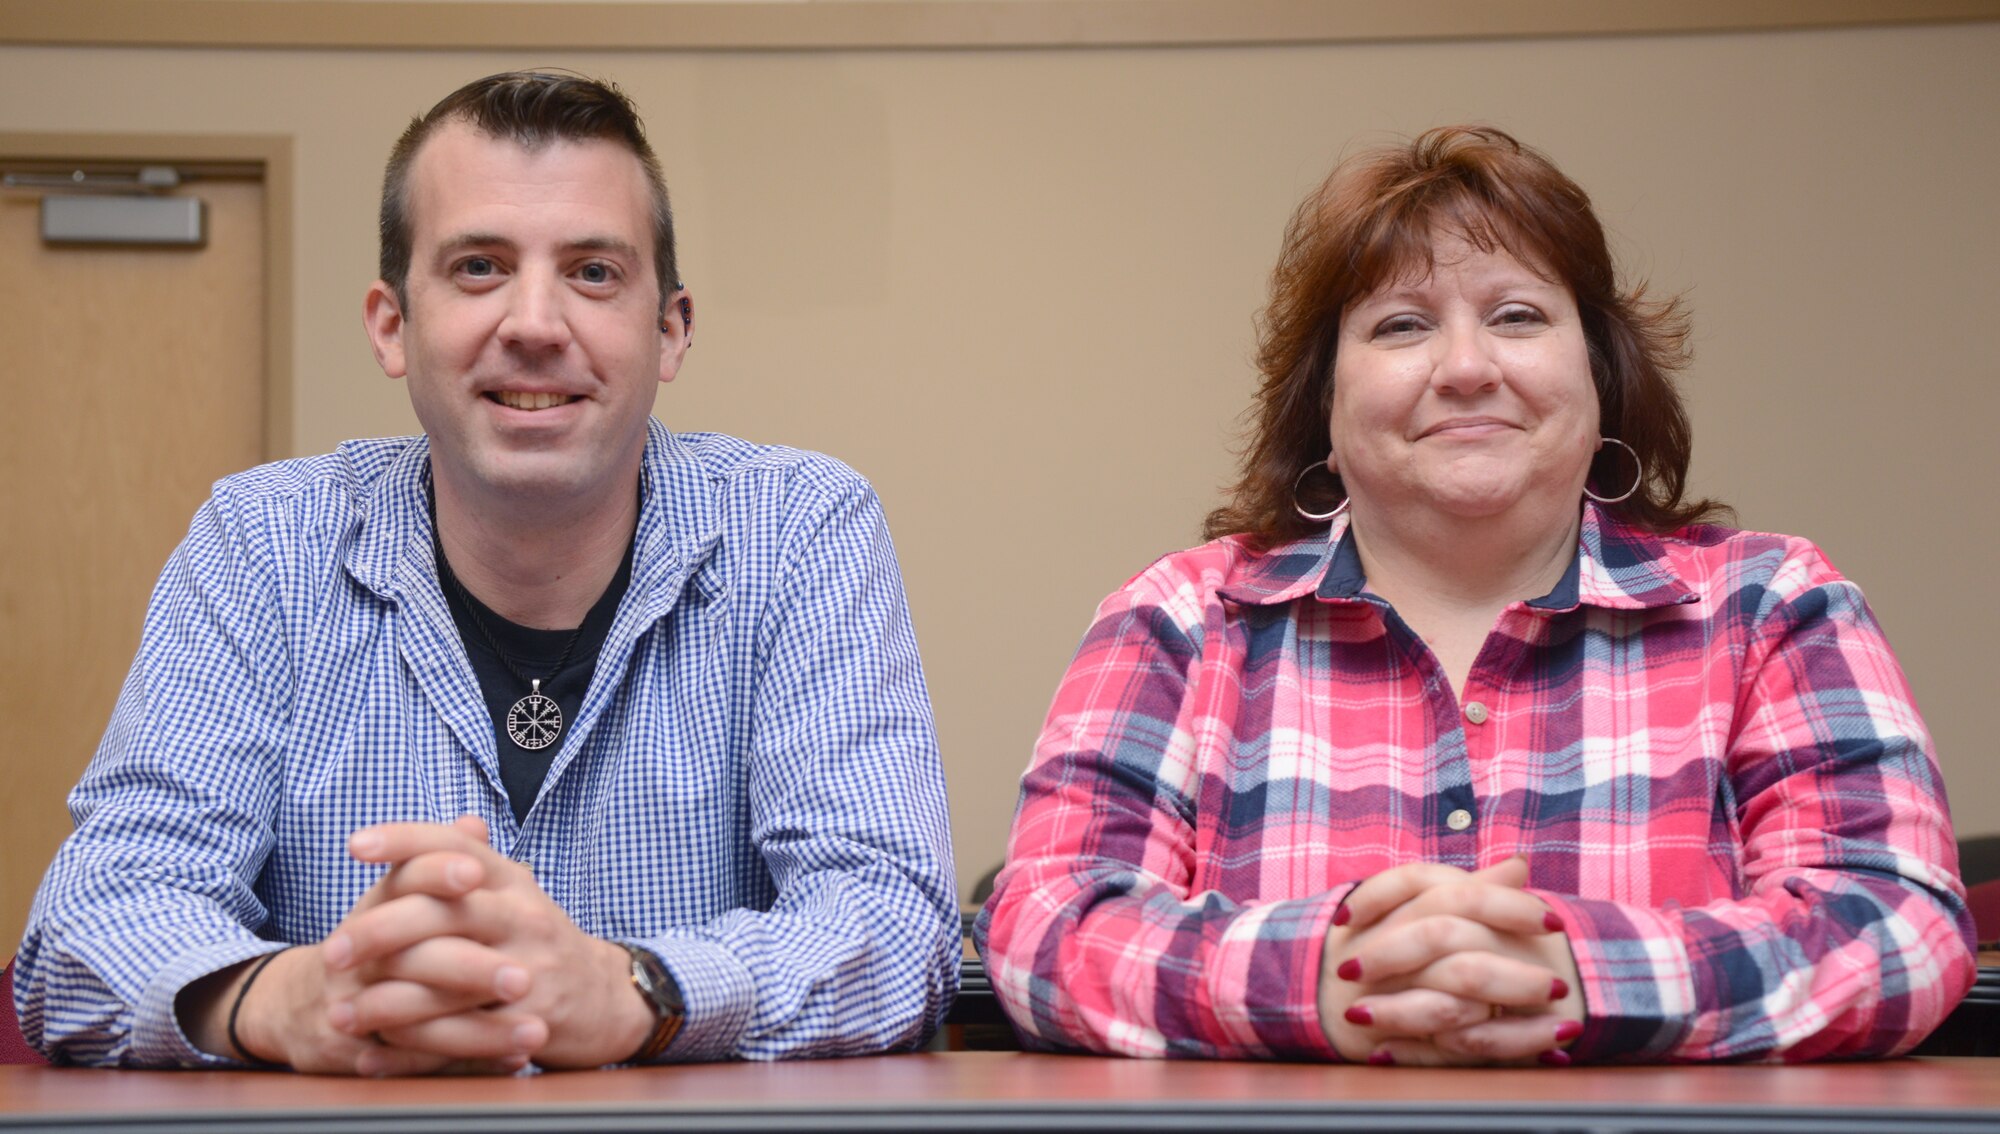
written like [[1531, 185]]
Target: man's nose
[[536, 318]]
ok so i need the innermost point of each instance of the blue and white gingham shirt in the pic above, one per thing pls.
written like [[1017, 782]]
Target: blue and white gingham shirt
[[751, 789]]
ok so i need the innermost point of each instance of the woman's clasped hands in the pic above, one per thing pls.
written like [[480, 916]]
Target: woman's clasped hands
[[1430, 965]]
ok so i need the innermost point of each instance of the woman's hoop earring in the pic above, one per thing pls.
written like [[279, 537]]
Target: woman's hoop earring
[[1636, 481], [1315, 517]]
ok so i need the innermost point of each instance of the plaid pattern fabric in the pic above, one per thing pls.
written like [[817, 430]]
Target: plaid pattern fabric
[[1702, 743], [751, 788]]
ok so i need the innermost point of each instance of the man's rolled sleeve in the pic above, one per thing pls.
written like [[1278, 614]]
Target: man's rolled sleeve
[[717, 993], [157, 1037]]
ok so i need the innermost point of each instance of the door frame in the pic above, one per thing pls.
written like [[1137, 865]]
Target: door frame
[[273, 152]]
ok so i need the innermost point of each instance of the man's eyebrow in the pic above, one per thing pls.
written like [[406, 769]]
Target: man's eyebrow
[[604, 244], [475, 240]]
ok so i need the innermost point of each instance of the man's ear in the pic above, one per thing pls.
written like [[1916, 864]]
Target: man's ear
[[382, 315], [676, 333]]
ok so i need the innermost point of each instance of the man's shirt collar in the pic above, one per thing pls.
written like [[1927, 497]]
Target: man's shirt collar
[[677, 530]]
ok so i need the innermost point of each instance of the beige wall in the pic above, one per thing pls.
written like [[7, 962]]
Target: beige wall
[[1015, 288]]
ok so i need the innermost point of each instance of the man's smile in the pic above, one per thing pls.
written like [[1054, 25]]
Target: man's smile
[[529, 399]]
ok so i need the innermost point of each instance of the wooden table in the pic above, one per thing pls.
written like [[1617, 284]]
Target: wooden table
[[1044, 1093]]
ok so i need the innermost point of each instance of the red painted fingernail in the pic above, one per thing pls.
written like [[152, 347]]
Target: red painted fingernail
[[1555, 1058], [1552, 921], [1380, 1057], [1350, 969], [1341, 915], [1558, 988], [1359, 1014], [1568, 1030]]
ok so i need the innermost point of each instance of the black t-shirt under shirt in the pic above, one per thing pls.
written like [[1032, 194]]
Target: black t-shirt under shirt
[[534, 653]]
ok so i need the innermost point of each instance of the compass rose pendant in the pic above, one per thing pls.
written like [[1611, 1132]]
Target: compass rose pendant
[[535, 721]]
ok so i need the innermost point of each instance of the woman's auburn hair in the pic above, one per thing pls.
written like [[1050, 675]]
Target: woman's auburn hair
[[1374, 221]]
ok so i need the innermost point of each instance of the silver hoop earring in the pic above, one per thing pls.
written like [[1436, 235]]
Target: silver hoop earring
[[1315, 517], [1638, 480]]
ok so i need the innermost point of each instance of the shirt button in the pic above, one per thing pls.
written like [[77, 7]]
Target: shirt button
[[1458, 820], [1475, 712]]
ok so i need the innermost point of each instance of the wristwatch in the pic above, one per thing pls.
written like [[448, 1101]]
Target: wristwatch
[[663, 995]]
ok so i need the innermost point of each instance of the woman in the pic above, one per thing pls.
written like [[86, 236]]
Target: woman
[[1468, 739]]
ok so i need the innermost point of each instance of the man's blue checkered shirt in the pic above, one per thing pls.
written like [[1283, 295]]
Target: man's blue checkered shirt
[[751, 788]]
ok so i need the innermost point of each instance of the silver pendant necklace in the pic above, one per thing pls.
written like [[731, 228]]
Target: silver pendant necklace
[[535, 721]]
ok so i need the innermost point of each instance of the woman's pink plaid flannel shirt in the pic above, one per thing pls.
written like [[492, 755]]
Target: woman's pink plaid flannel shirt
[[1702, 743]]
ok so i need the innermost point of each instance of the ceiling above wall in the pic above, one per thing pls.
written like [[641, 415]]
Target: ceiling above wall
[[651, 25]]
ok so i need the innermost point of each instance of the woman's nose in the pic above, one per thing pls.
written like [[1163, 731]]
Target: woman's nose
[[1464, 363]]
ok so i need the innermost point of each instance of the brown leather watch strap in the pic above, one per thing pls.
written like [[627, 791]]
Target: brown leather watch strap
[[663, 994]]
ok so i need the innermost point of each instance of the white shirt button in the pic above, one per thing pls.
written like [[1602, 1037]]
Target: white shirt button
[[1475, 712], [1458, 820]]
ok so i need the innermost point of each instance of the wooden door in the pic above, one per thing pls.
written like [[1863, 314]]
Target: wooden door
[[132, 378]]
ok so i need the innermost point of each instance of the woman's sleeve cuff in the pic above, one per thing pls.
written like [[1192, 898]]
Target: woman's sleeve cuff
[[1638, 986], [1276, 967]]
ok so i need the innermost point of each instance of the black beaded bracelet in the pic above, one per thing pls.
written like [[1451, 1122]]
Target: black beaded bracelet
[[236, 1009]]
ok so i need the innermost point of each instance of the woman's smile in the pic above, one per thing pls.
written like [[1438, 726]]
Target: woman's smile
[[1468, 428]]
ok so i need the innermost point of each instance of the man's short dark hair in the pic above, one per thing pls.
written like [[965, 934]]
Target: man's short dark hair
[[531, 109]]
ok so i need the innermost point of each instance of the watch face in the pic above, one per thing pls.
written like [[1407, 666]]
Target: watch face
[[655, 983]]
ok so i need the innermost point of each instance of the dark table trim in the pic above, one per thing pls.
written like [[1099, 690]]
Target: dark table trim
[[976, 1091]]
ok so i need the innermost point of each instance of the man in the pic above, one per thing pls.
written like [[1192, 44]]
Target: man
[[634, 720]]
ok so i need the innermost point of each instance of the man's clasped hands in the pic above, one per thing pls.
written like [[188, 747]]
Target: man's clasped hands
[[454, 960]]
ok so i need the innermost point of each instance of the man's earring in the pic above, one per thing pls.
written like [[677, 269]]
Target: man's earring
[[687, 319]]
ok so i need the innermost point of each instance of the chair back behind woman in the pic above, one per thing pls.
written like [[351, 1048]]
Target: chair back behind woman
[[14, 1047]]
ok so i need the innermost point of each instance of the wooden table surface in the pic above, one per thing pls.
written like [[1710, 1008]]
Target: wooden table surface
[[1009, 1090]]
